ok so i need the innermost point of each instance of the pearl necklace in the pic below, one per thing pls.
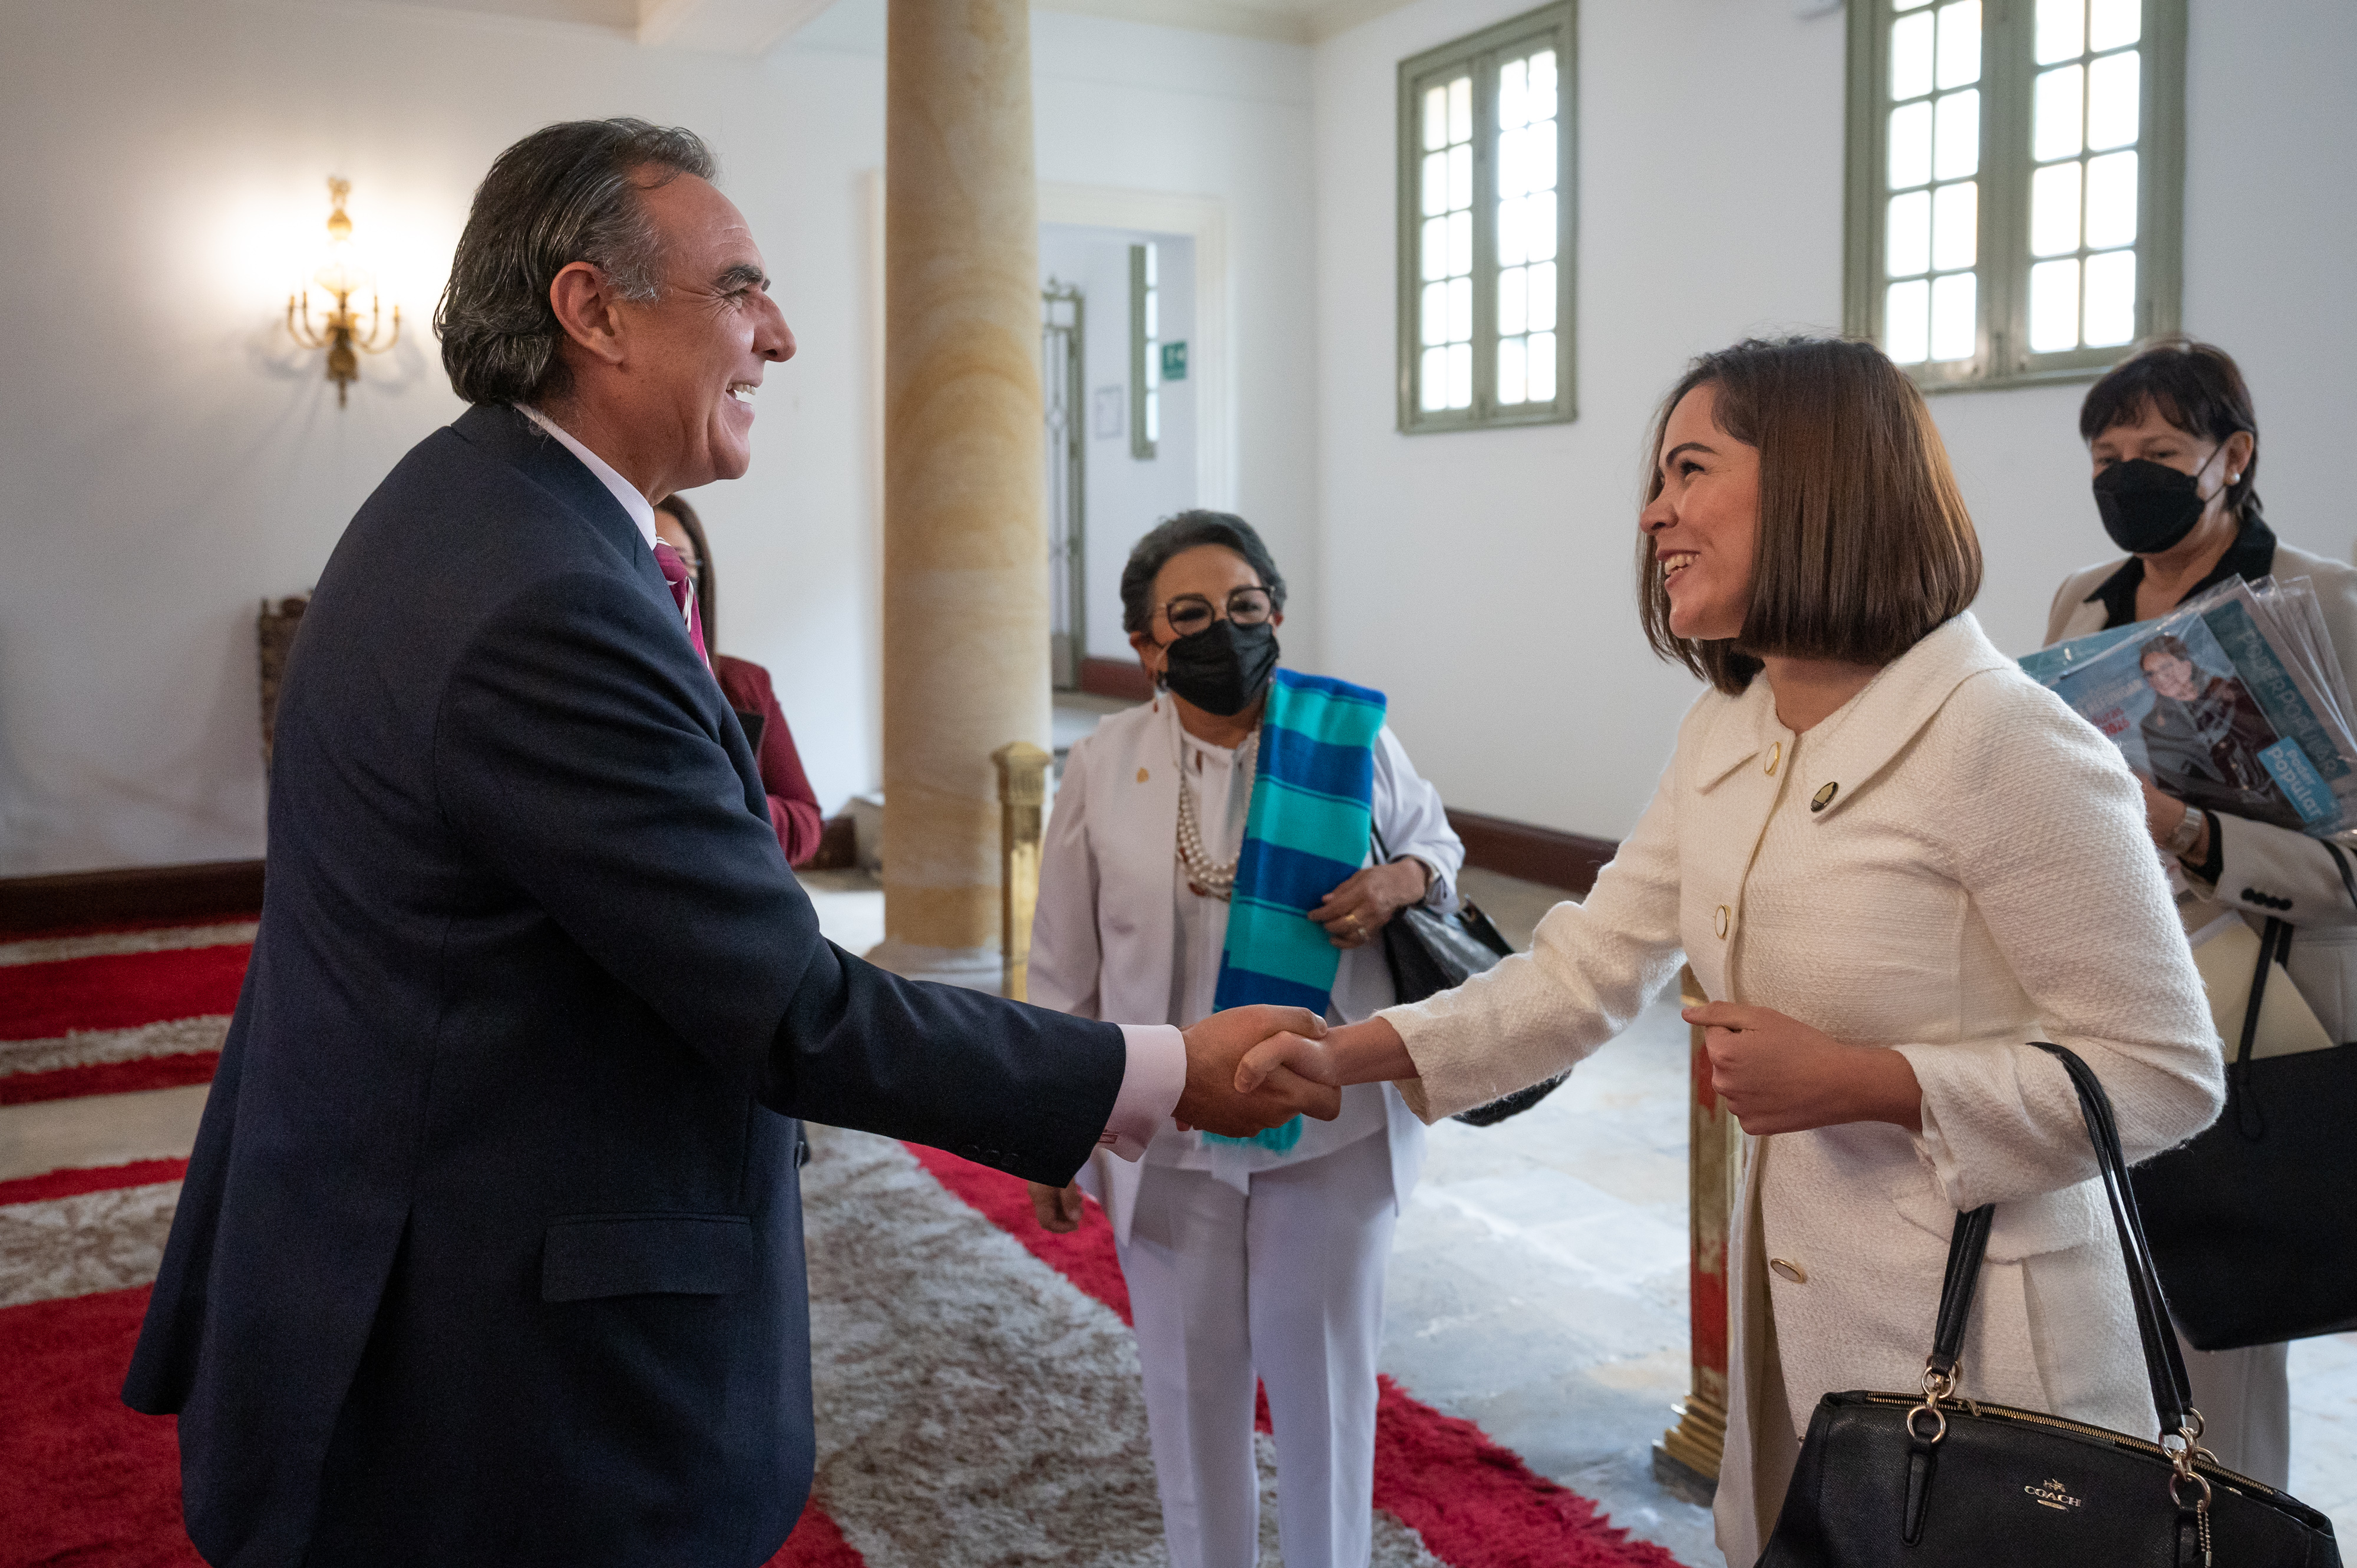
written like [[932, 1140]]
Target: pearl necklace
[[1209, 878]]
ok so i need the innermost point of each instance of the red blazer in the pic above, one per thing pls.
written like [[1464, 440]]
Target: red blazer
[[793, 806]]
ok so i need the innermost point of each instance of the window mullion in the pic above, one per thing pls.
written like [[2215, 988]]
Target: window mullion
[[1485, 234], [2005, 268]]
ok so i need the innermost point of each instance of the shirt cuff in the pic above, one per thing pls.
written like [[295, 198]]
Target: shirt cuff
[[1150, 1087]]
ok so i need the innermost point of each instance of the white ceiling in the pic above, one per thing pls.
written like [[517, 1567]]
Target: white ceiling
[[755, 26]]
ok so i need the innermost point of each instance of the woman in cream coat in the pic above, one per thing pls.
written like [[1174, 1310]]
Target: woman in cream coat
[[1239, 1259], [1893, 862], [2175, 446]]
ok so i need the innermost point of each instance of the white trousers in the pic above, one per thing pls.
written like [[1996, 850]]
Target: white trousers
[[2244, 1397], [1288, 1283]]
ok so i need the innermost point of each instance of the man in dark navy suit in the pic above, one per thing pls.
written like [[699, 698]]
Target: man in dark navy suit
[[490, 1248]]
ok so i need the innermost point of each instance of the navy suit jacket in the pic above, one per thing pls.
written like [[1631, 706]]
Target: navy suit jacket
[[490, 1248]]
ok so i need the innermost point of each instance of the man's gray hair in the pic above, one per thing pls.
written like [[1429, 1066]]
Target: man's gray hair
[[566, 193]]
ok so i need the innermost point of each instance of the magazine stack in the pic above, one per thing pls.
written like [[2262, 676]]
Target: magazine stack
[[2232, 702]]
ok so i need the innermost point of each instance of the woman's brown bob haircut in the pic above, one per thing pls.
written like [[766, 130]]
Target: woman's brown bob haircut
[[1864, 544]]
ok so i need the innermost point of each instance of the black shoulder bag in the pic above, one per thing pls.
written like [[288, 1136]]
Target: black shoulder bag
[[2248, 1238], [1428, 952], [1934, 1480]]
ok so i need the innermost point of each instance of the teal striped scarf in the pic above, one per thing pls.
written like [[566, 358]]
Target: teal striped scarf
[[1306, 833]]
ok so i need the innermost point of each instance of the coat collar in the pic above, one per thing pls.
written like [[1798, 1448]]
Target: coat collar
[[512, 437], [1854, 746]]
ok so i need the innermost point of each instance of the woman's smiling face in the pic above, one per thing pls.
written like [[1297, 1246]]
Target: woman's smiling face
[[1705, 520]]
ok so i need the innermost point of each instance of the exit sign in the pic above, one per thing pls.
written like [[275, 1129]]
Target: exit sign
[[1174, 361]]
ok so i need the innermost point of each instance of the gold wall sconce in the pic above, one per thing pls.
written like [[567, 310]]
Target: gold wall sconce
[[342, 275]]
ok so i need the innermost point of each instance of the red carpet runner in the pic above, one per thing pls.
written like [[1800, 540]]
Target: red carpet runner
[[85, 1480]]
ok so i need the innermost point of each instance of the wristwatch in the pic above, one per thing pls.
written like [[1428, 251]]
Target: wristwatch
[[2188, 832]]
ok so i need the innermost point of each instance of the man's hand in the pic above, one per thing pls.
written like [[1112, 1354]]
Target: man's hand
[[1778, 1075], [1057, 1208], [1214, 1047]]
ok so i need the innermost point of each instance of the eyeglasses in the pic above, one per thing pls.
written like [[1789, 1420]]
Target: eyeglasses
[[1190, 613]]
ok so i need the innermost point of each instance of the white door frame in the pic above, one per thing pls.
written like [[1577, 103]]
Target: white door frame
[[1204, 220]]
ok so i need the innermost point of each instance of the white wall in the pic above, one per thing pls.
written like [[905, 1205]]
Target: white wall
[[1124, 495], [166, 461], [1710, 167]]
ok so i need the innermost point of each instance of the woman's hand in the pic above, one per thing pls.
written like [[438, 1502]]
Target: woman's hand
[[2163, 815], [1355, 911], [1057, 1208], [1369, 1052], [1778, 1075]]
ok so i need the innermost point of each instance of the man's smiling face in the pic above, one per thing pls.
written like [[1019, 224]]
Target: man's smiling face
[[697, 351]]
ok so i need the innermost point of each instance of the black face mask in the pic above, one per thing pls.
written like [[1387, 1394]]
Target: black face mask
[[2149, 507], [1222, 667]]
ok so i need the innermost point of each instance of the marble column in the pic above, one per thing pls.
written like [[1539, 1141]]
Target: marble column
[[966, 547]]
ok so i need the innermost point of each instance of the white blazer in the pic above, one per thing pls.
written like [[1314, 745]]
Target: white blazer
[[2264, 869], [1978, 877], [1102, 937]]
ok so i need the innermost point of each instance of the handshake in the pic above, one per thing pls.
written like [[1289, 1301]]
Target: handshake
[[1235, 1098]]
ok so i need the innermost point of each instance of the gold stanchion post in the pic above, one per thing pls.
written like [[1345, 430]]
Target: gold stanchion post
[[1685, 1461], [1022, 803]]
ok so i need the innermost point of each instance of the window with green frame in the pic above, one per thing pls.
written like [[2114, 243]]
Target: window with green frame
[[2016, 182], [1487, 204]]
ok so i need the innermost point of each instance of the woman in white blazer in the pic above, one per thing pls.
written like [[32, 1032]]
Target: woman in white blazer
[[1240, 1259], [2175, 445], [1893, 862]]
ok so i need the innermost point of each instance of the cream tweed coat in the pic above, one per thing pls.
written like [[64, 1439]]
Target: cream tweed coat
[[1979, 877]]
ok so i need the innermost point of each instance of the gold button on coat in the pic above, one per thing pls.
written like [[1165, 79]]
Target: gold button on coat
[[1785, 1271], [1719, 920], [1823, 797], [1775, 756], [1141, 776]]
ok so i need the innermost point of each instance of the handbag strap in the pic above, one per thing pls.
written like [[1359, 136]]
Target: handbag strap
[[1965, 1247], [2340, 864], [2275, 946], [2164, 1364]]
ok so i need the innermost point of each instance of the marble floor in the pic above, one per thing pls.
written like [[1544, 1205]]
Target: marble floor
[[1538, 1283]]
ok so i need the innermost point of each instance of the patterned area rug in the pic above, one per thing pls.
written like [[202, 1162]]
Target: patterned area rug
[[976, 1384]]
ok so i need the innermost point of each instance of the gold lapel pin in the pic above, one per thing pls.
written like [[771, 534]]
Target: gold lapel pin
[[1825, 798]]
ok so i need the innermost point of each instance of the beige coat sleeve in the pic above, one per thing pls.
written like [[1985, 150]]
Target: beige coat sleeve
[[1065, 960], [2044, 826], [1591, 967]]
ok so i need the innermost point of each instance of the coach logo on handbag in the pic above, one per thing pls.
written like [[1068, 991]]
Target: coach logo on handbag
[[2052, 1495]]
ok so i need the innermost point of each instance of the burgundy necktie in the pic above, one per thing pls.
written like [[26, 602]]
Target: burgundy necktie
[[683, 594]]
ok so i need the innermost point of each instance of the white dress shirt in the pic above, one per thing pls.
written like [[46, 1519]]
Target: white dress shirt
[[1156, 1070]]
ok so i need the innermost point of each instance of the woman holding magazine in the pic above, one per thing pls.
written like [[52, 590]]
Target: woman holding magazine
[[1893, 861], [1190, 837], [2176, 452]]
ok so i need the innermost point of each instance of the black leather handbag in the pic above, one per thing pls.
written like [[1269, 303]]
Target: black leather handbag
[[2250, 1245], [1936, 1480], [1428, 952]]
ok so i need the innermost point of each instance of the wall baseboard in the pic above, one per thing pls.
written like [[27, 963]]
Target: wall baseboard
[[132, 894], [1124, 678], [1546, 855]]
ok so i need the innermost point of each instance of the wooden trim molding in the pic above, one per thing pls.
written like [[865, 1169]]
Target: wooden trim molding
[[132, 894], [1124, 678], [1546, 855]]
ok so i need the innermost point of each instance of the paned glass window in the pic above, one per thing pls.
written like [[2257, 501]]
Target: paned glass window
[[2015, 181], [1486, 205]]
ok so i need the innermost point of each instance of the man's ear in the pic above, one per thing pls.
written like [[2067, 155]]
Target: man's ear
[[586, 307]]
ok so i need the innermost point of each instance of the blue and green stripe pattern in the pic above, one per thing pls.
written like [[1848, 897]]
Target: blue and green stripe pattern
[[1306, 833]]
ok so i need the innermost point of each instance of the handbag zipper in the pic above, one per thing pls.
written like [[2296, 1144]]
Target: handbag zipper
[[2239, 1482]]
